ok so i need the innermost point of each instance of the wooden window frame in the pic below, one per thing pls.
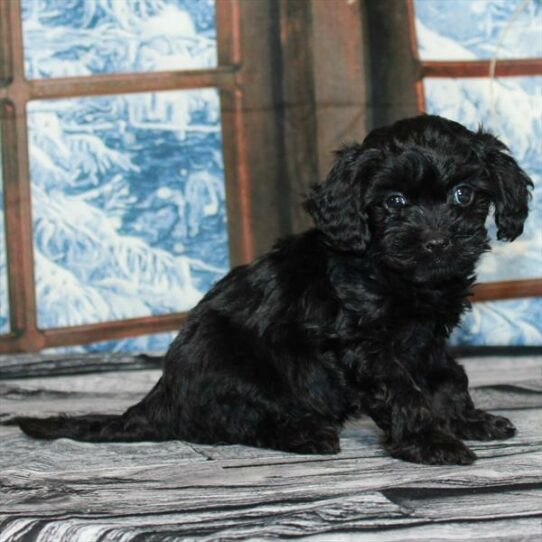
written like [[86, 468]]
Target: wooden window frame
[[16, 92], [284, 107], [483, 291]]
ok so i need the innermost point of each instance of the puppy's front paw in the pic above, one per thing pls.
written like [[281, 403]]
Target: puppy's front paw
[[432, 448], [484, 426]]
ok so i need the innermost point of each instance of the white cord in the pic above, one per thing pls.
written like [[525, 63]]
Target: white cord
[[494, 59]]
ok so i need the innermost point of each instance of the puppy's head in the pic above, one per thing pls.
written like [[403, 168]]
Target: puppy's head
[[416, 196]]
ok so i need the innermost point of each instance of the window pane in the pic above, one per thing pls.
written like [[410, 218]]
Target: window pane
[[470, 29], [512, 107], [128, 204], [502, 323], [4, 299], [73, 38]]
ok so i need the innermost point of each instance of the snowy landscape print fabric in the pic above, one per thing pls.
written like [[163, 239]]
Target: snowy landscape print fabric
[[127, 203], [478, 29], [128, 191], [511, 108], [74, 38], [128, 196]]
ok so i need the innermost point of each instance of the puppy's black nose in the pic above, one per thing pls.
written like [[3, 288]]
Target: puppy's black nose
[[436, 244]]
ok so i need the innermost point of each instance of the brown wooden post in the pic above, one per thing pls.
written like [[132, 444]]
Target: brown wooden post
[[18, 212], [340, 51], [394, 70]]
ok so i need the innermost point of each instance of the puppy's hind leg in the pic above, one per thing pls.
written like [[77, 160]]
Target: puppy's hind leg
[[323, 441], [304, 437], [241, 414]]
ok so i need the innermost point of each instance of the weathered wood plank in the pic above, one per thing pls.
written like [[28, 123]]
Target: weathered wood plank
[[363, 513], [124, 465], [517, 530], [69, 491], [39, 365], [487, 371]]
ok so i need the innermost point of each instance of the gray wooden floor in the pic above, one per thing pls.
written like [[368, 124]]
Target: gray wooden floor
[[70, 491]]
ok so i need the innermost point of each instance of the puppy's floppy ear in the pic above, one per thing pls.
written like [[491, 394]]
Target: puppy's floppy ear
[[510, 190], [336, 206]]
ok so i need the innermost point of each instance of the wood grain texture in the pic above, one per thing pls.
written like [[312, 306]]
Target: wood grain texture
[[71, 491], [481, 68], [15, 366]]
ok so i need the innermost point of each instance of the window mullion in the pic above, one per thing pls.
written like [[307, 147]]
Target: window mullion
[[126, 83], [17, 195], [481, 68]]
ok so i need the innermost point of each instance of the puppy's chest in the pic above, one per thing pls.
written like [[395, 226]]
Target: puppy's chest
[[393, 337], [376, 356], [397, 321], [400, 311]]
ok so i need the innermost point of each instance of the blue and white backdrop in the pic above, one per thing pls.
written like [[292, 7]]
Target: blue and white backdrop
[[512, 108], [128, 190]]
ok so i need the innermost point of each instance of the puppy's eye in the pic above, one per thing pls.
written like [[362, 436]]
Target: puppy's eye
[[396, 201], [463, 195]]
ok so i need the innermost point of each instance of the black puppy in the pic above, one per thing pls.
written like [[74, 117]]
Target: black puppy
[[348, 318]]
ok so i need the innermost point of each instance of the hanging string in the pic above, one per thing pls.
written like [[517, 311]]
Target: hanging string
[[494, 59]]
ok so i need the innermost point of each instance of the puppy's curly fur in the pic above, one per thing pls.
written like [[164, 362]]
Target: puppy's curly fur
[[347, 318]]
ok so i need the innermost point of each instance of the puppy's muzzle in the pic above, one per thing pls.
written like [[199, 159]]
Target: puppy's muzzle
[[436, 245]]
